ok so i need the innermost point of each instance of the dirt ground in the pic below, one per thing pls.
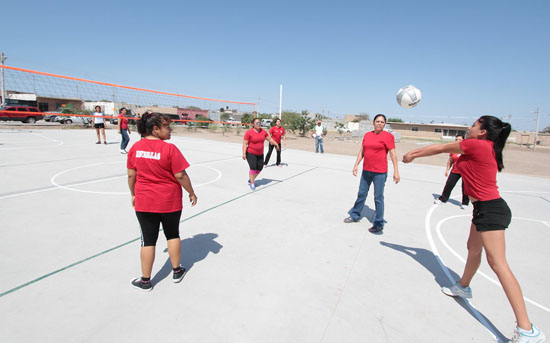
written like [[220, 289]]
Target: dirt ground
[[517, 159]]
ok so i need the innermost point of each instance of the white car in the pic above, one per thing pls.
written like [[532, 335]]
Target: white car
[[73, 119]]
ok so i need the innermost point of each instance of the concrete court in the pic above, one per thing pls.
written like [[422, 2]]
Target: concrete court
[[274, 265]]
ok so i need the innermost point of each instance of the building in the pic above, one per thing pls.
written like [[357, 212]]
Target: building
[[440, 131], [191, 113], [44, 104]]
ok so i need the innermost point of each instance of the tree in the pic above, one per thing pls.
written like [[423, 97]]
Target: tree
[[395, 120], [546, 130], [339, 127], [224, 116], [246, 118], [294, 121]]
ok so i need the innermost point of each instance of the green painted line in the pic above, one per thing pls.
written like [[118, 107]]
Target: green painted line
[[137, 239]]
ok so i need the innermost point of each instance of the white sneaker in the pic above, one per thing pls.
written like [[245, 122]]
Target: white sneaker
[[438, 202], [122, 151], [533, 336], [457, 291]]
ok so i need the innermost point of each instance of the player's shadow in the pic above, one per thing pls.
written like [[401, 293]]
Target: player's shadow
[[451, 200], [429, 261], [368, 213], [193, 250], [283, 164], [263, 182]]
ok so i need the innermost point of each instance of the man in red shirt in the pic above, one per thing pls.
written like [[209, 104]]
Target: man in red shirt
[[276, 132]]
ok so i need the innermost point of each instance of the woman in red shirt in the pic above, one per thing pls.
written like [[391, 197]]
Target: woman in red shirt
[[452, 179], [123, 129], [276, 132], [253, 150], [156, 174], [480, 159], [374, 153]]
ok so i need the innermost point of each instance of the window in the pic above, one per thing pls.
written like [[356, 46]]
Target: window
[[32, 110], [414, 128], [437, 130]]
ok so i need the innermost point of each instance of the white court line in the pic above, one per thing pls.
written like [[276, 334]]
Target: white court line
[[52, 180], [476, 313], [37, 146], [438, 230]]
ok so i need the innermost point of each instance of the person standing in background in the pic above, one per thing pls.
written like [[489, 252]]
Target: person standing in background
[[124, 130]]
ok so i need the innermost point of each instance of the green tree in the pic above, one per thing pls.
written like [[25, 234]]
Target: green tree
[[546, 130], [395, 120], [224, 116], [246, 118], [297, 122]]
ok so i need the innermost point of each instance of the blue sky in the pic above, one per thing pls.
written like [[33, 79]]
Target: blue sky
[[468, 58]]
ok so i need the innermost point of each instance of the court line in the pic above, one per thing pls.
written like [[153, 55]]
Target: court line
[[344, 287], [69, 188], [53, 188], [139, 238], [440, 235], [445, 270]]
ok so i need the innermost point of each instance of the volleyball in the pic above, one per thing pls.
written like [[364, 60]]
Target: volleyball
[[409, 96]]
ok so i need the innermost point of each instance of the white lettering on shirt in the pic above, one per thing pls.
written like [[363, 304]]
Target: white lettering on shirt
[[148, 154]]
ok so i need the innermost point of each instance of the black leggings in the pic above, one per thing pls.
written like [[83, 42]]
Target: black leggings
[[451, 182], [271, 147], [255, 162], [150, 224]]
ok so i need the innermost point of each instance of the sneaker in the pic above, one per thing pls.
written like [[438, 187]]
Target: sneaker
[[98, 142], [350, 220], [438, 202], [122, 151], [178, 276], [252, 185], [377, 230], [457, 290], [105, 143], [144, 286], [533, 336]]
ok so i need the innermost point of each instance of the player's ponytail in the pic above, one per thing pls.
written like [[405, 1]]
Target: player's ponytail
[[497, 132], [148, 122]]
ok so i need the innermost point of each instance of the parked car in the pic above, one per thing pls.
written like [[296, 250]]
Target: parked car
[[25, 114], [74, 119], [51, 116]]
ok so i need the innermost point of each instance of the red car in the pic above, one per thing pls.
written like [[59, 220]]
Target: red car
[[25, 114]]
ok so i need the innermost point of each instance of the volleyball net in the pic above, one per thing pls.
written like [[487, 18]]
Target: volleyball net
[[72, 96]]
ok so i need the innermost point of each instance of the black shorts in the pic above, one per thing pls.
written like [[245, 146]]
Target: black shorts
[[150, 224], [256, 162], [99, 126], [491, 215]]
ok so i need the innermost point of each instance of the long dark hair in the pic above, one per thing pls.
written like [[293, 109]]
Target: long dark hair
[[497, 132], [148, 122]]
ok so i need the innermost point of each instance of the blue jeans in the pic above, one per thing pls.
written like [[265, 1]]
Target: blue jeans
[[318, 142], [125, 139], [379, 179]]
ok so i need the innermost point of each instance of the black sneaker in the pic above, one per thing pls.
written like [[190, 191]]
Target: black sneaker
[[178, 275], [141, 285], [377, 230]]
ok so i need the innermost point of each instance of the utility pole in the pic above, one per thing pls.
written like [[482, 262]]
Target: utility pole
[[2, 59], [537, 129], [281, 102], [259, 102]]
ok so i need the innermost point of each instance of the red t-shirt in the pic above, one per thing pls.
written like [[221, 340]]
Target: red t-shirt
[[478, 168], [156, 162], [455, 158], [123, 122], [276, 133], [255, 141], [375, 151]]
